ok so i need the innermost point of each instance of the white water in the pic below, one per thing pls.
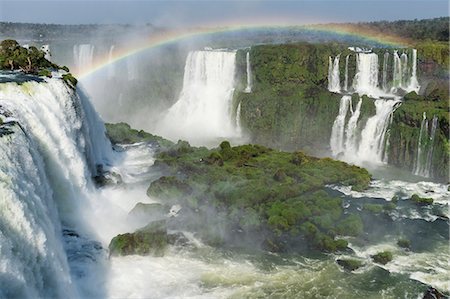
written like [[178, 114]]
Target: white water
[[372, 144], [83, 55], [405, 71], [248, 89], [425, 147], [366, 78], [398, 74], [337, 132], [203, 112], [45, 170], [414, 83], [334, 84], [385, 70], [368, 145], [346, 73]]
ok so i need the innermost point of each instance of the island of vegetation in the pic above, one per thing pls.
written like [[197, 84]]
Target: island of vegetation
[[29, 60], [231, 196]]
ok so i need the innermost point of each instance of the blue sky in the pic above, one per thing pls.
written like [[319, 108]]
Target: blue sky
[[197, 13]]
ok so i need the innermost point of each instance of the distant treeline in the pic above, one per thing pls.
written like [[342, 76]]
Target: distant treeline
[[428, 29], [57, 31], [436, 29]]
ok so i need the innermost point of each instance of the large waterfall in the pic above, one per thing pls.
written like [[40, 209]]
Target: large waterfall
[[51, 144], [249, 74], [368, 68], [334, 83], [366, 144], [83, 55], [425, 147], [204, 108]]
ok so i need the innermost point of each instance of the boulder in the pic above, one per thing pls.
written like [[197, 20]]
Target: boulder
[[149, 240]]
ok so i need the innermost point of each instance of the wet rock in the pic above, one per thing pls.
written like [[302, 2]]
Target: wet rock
[[432, 293], [350, 264], [149, 240]]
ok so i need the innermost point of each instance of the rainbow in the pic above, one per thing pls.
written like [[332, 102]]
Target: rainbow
[[168, 37]]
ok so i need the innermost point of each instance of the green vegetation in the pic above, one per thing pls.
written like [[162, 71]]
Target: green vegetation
[[421, 200], [32, 60], [255, 189], [122, 133], [383, 257], [149, 240], [70, 79], [350, 264]]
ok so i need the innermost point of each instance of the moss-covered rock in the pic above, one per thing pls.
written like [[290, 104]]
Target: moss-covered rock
[[253, 189], [404, 243], [70, 79], [149, 240], [350, 264], [383, 257], [122, 133], [421, 200]]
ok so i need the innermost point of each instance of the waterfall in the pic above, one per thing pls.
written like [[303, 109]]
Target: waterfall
[[385, 69], [50, 145], [204, 108], [238, 118], [346, 73], [248, 89], [334, 84], [404, 70], [397, 75], [111, 66], [350, 144], [83, 55], [366, 78], [425, 147], [414, 83], [337, 132], [344, 137], [372, 144]]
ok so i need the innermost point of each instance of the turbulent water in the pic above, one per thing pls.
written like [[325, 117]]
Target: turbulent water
[[51, 144], [204, 110], [55, 224]]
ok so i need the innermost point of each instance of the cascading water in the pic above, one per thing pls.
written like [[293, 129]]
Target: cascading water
[[51, 144], [337, 132], [346, 73], [397, 74], [404, 70], [366, 78], [343, 141], [238, 118], [425, 147], [372, 144], [204, 109], [414, 83], [83, 55], [385, 70], [334, 84], [248, 89]]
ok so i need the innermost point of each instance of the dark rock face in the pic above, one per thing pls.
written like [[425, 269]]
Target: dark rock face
[[149, 240], [432, 293]]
